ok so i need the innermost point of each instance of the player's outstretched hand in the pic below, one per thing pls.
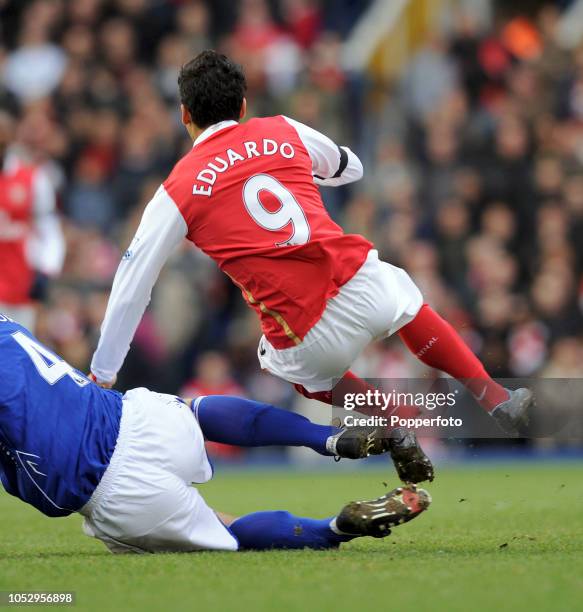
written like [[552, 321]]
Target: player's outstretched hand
[[102, 384]]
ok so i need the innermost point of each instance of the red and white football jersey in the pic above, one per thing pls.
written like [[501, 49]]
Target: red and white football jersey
[[30, 235], [246, 195]]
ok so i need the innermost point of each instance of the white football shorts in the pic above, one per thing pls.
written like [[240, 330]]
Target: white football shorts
[[145, 501], [375, 303]]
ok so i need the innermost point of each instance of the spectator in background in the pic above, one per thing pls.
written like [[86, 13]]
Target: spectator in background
[[31, 242], [90, 202], [35, 68], [212, 376], [429, 78]]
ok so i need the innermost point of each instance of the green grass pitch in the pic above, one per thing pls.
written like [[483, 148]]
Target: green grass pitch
[[503, 537]]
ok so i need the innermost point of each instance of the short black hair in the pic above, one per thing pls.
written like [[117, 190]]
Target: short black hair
[[212, 88]]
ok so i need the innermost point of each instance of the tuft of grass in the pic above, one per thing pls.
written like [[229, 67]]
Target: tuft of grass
[[505, 537]]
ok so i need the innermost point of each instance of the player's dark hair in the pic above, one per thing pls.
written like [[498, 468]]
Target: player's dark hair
[[212, 88]]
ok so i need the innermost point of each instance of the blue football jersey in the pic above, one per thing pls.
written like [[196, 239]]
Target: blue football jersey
[[58, 430]]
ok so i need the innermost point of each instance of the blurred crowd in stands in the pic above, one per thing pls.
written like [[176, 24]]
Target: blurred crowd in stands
[[473, 174]]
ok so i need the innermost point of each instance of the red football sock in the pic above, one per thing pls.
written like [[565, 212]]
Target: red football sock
[[436, 343]]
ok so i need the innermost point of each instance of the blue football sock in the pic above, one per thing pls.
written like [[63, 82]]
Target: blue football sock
[[241, 422], [280, 529]]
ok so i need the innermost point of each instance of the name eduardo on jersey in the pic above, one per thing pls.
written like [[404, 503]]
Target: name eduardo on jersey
[[222, 163]]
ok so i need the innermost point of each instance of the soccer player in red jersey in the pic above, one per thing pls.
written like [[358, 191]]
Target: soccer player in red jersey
[[32, 246], [247, 195]]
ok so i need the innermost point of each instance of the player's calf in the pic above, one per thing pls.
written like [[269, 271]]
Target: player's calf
[[281, 530]]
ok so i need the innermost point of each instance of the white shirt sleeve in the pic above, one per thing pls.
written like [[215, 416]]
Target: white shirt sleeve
[[332, 165], [46, 246], [161, 230]]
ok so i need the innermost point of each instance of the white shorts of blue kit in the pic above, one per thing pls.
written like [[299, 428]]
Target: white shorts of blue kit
[[375, 303], [145, 501]]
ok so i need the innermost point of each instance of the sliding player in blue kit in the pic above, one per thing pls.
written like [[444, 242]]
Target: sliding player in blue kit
[[127, 463]]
